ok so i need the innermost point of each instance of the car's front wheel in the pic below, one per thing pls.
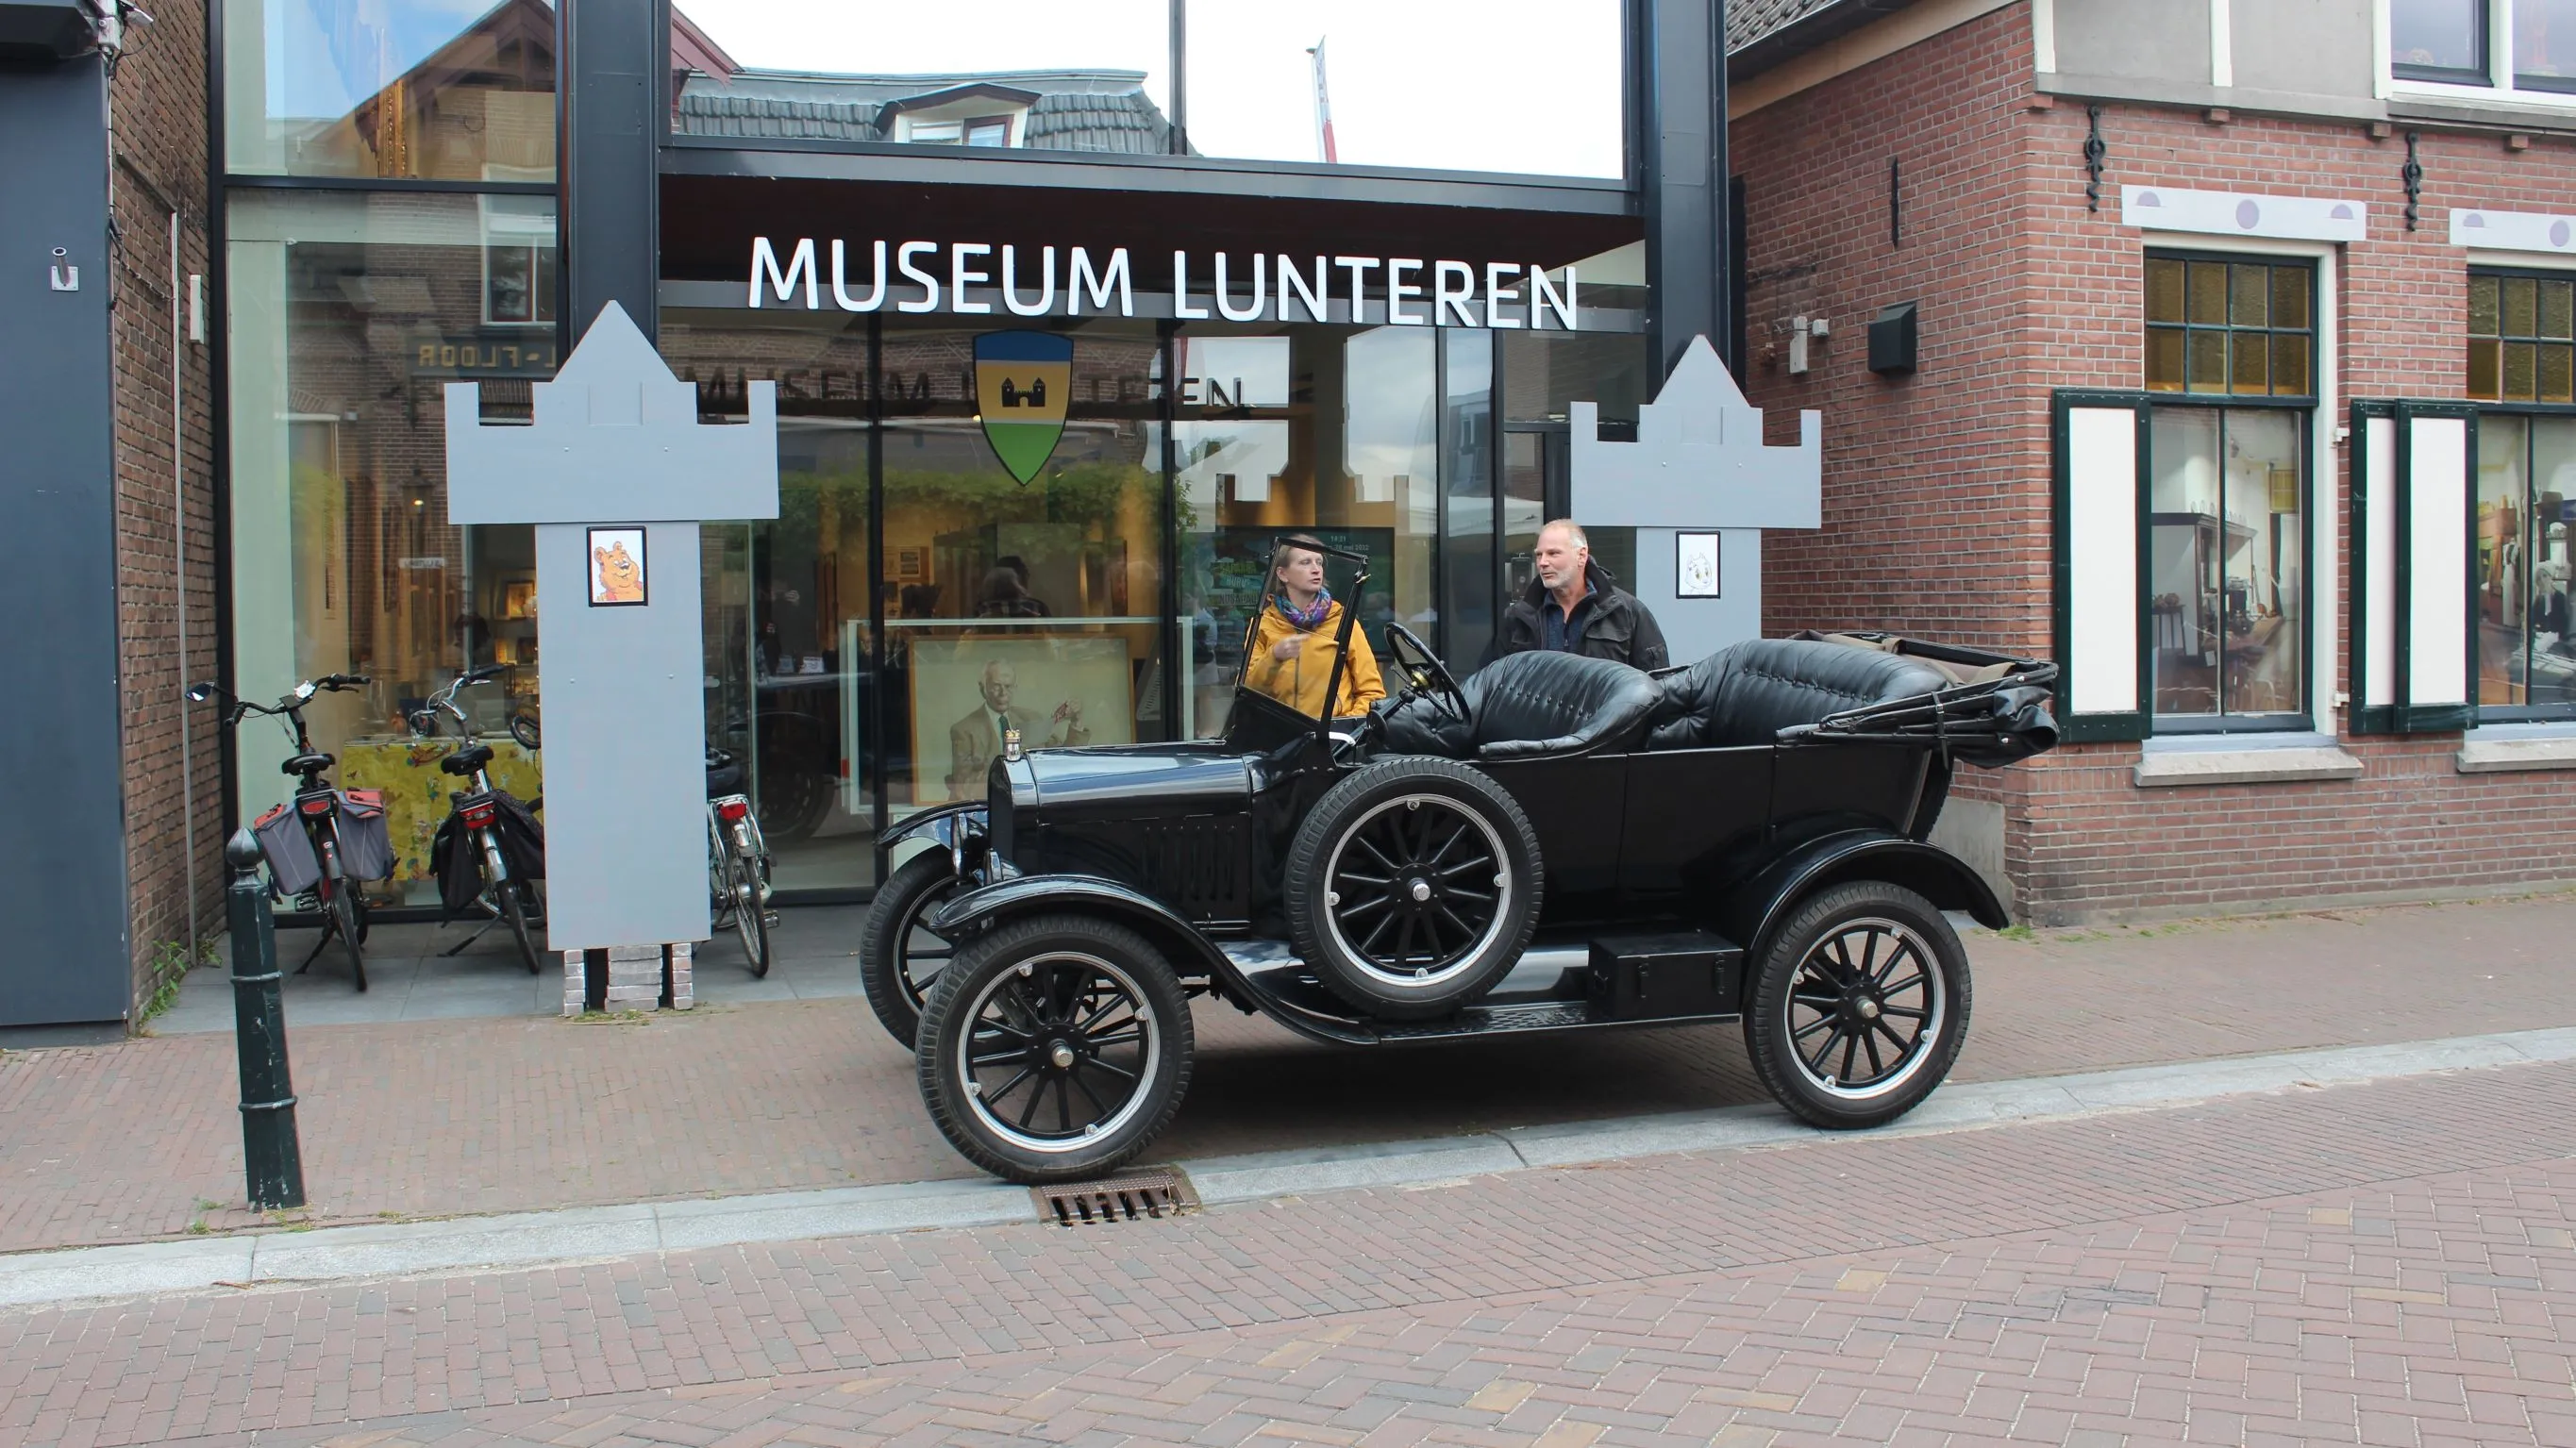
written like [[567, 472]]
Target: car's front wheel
[[899, 959], [1860, 1006], [1054, 1049]]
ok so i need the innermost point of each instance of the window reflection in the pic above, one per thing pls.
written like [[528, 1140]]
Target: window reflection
[[349, 315], [2227, 580], [2526, 474], [458, 90]]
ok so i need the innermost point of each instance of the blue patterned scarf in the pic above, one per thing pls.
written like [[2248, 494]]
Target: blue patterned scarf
[[1307, 618]]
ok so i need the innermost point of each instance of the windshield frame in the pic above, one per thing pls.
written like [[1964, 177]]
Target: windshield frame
[[1342, 636]]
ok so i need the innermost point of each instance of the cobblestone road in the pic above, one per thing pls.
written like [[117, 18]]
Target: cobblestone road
[[141, 1139], [2381, 1264]]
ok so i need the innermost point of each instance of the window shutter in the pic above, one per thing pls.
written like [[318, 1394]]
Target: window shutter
[[2413, 622], [2101, 564]]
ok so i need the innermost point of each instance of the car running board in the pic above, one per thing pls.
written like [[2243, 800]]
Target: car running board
[[1661, 979]]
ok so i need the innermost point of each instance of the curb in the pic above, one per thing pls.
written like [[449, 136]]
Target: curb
[[525, 1240]]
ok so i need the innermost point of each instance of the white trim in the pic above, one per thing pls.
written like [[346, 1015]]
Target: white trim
[[2528, 260], [2548, 233], [2379, 563], [2244, 213], [2105, 592], [2243, 764], [2505, 756], [2325, 519], [2379, 57], [2043, 36], [2222, 44], [2499, 89], [2439, 488]]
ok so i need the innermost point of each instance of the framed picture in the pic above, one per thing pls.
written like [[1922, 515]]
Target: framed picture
[[519, 599], [1695, 565], [1064, 690], [617, 567]]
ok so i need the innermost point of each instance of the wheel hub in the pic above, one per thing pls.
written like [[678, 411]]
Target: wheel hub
[[1420, 890], [1060, 1056]]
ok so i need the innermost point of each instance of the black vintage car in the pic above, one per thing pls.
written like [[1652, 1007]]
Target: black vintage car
[[1556, 844]]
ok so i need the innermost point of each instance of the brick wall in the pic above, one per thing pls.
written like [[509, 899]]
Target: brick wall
[[159, 120], [1937, 488]]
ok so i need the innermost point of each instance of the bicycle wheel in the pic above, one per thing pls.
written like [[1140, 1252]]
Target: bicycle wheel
[[340, 898], [514, 908], [742, 883]]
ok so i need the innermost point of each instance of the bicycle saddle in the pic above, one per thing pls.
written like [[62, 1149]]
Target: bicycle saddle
[[302, 762], [467, 760]]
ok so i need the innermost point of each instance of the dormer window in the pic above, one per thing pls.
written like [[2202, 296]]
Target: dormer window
[[936, 133], [989, 131]]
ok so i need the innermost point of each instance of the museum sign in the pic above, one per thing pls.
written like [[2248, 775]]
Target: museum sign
[[963, 278]]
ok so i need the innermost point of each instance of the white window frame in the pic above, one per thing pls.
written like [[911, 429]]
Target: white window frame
[[2325, 494], [2499, 88]]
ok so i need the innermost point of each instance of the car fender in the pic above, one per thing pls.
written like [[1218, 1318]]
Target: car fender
[[1753, 911], [979, 910], [956, 828]]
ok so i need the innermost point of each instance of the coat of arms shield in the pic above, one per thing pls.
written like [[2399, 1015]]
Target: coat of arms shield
[[1022, 382]]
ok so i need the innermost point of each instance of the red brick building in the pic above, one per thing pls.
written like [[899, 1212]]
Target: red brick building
[[2230, 235]]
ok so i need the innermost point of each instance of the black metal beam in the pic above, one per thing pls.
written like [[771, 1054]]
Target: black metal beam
[[1681, 95], [1182, 175], [613, 57]]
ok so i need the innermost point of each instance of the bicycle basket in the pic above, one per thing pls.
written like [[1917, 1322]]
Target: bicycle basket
[[292, 866], [366, 845]]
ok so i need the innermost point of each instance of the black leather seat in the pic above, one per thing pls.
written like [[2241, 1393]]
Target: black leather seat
[[1533, 705], [1747, 693], [467, 760], [724, 775], [302, 763]]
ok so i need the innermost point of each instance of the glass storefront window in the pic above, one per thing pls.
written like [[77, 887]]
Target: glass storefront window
[[914, 588], [456, 90], [1433, 84], [1329, 431], [2227, 590], [2526, 475], [348, 315]]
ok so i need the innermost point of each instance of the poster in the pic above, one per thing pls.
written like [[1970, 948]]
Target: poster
[[617, 577], [1056, 691], [1695, 565]]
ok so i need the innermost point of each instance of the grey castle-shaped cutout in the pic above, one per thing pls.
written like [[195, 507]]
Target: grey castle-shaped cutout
[[617, 439], [1699, 460]]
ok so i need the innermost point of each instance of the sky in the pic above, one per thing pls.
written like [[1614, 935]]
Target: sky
[[1479, 85]]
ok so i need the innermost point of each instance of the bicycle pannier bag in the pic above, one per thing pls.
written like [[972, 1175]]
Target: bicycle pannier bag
[[291, 861], [366, 845]]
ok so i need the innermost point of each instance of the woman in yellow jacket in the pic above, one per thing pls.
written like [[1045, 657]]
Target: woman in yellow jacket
[[1294, 640]]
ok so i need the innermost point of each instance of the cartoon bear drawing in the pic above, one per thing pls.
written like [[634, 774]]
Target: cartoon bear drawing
[[621, 578]]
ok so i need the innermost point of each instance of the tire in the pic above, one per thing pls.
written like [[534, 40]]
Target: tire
[[893, 946], [1842, 1051], [750, 921], [1432, 851], [1061, 1008], [342, 901], [514, 907]]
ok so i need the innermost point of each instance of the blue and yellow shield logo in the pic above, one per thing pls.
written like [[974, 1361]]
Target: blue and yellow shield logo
[[1022, 382]]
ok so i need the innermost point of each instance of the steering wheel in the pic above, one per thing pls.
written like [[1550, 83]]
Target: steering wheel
[[1423, 674]]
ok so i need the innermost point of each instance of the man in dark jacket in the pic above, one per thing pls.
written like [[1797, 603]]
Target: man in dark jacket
[[1574, 605]]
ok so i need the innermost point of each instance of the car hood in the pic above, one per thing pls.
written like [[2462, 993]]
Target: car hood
[[1177, 773]]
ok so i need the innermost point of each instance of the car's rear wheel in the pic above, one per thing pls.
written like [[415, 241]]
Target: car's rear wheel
[[1054, 1049], [899, 959], [1412, 887], [1860, 1006]]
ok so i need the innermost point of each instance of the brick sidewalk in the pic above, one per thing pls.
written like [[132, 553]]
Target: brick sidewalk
[[2383, 1264], [128, 1141]]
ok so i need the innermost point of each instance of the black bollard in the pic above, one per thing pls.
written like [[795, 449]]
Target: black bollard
[[275, 1167]]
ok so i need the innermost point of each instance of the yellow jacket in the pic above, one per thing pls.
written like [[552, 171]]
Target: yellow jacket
[[1298, 682]]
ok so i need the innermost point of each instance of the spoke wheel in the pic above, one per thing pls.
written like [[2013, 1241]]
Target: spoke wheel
[[1864, 1007], [516, 900], [1860, 1006], [899, 959], [341, 896], [750, 920], [1412, 886], [1417, 888], [1054, 1048]]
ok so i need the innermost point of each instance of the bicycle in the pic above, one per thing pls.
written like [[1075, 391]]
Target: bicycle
[[322, 873], [476, 820], [737, 861]]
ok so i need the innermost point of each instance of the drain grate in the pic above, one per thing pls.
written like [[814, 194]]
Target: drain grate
[[1154, 1195]]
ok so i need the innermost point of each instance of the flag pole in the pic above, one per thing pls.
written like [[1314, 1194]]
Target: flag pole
[[1324, 148]]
